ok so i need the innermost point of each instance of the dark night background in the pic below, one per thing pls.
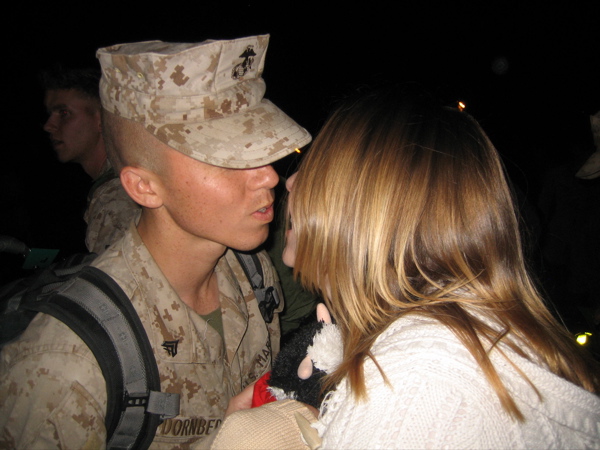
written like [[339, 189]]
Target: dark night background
[[528, 71]]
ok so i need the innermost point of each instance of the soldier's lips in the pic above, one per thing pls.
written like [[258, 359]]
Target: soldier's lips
[[56, 143], [265, 214]]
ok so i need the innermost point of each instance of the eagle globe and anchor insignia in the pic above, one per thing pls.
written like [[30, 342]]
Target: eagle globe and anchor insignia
[[239, 70]]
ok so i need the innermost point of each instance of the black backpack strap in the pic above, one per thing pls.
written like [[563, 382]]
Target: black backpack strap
[[14, 318], [94, 306], [267, 297]]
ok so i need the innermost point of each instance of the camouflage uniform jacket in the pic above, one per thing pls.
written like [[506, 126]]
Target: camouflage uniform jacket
[[109, 211], [52, 393]]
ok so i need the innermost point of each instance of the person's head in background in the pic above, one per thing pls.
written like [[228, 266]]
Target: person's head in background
[[72, 101]]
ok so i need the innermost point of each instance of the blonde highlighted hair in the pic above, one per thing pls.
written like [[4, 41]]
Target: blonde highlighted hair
[[401, 206]]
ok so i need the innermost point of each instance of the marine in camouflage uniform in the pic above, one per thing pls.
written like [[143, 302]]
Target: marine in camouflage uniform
[[109, 212], [72, 100], [52, 393], [55, 388]]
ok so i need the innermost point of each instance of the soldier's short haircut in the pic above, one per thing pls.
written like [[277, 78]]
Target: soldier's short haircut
[[84, 80], [129, 144]]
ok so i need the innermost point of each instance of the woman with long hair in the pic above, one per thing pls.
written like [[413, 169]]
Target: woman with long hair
[[402, 219]]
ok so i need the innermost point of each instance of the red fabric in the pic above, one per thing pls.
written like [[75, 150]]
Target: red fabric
[[261, 394]]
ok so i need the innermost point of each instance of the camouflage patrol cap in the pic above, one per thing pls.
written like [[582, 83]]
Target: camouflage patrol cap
[[202, 99]]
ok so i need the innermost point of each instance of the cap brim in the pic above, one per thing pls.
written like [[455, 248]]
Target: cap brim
[[257, 137]]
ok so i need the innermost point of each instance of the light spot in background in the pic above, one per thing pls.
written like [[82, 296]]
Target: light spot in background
[[583, 338]]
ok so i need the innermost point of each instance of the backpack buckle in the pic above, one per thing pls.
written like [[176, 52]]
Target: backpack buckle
[[268, 303], [136, 399]]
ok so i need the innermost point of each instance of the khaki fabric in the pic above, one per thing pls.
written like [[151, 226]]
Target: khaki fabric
[[271, 426], [205, 100], [110, 211], [52, 393]]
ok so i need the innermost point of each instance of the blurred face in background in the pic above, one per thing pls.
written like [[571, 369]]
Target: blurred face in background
[[73, 125]]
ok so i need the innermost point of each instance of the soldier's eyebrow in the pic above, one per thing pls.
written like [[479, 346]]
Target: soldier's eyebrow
[[56, 107]]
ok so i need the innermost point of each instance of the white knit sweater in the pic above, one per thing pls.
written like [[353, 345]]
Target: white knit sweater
[[439, 398]]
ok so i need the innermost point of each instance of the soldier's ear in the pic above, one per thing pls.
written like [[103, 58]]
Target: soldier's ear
[[143, 186]]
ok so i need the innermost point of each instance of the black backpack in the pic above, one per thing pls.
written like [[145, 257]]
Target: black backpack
[[94, 306]]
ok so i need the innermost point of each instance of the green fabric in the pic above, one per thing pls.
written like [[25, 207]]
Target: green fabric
[[215, 320]]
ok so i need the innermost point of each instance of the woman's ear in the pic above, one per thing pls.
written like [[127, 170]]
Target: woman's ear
[[143, 186]]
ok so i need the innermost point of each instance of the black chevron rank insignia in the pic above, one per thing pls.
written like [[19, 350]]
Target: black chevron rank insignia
[[171, 347]]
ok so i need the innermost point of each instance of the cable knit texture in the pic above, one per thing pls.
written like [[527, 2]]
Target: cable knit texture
[[439, 398]]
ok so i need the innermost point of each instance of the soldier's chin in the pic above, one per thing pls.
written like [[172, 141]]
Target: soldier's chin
[[61, 154], [250, 244]]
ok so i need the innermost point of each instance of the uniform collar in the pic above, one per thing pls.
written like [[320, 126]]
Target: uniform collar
[[170, 323]]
